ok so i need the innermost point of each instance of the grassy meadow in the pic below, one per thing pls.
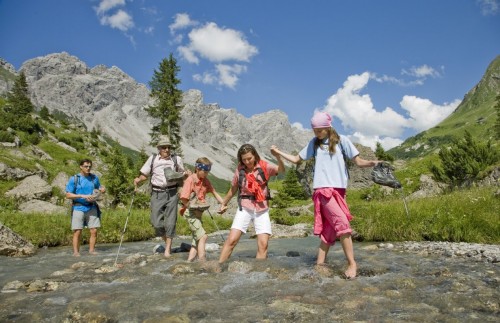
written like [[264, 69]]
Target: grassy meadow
[[471, 215]]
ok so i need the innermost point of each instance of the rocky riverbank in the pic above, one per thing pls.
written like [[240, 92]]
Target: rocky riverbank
[[468, 251]]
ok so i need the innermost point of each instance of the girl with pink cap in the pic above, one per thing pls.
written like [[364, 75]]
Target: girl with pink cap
[[331, 214]]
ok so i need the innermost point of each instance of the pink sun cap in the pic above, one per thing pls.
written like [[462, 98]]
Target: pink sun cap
[[321, 120]]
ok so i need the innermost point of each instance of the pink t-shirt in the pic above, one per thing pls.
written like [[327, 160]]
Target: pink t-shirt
[[272, 170], [200, 186]]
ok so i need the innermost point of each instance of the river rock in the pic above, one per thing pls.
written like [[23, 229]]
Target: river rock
[[12, 244]]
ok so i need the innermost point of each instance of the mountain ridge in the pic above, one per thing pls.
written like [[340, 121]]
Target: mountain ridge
[[110, 100]]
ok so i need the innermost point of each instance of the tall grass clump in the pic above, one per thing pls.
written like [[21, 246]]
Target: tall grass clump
[[462, 216]]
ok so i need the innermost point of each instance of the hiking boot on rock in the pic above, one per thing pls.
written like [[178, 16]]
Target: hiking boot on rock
[[382, 174]]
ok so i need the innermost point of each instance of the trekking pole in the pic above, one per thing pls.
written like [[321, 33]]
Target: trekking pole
[[124, 228], [404, 201], [216, 225]]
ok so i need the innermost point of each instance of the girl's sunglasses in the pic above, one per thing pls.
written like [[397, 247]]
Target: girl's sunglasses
[[204, 167]]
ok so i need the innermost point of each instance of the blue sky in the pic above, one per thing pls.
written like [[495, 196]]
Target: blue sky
[[385, 70]]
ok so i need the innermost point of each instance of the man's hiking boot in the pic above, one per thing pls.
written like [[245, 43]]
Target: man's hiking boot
[[173, 176], [382, 174]]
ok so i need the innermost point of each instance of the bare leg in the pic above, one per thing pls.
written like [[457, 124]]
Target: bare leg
[[76, 242], [262, 243], [192, 253], [322, 253], [231, 242], [201, 248], [168, 245], [92, 241], [346, 242]]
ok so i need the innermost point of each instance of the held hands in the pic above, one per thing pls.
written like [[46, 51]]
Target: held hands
[[223, 208], [275, 151]]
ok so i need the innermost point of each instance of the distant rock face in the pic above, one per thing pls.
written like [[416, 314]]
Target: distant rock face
[[110, 99]]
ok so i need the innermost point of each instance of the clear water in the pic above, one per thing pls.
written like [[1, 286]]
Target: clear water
[[391, 287]]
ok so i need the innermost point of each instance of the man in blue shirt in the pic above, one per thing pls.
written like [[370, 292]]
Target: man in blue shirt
[[84, 189]]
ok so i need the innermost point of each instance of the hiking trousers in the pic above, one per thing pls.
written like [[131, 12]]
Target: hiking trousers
[[164, 212]]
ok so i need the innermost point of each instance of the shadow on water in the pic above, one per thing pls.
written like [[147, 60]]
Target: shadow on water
[[391, 286]]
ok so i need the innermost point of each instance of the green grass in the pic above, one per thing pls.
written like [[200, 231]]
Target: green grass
[[55, 230], [461, 216]]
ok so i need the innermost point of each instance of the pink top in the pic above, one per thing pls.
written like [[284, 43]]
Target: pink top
[[272, 170], [200, 186]]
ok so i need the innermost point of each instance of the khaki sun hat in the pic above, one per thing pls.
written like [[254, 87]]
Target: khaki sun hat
[[163, 141]]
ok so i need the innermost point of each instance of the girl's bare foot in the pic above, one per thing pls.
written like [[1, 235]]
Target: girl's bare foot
[[167, 254], [76, 254], [93, 252]]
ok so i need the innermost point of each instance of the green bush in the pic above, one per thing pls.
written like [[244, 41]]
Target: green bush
[[6, 136]]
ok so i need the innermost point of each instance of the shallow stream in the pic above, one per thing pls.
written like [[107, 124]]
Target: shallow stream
[[392, 286]]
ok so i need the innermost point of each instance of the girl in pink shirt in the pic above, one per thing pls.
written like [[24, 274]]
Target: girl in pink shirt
[[250, 181]]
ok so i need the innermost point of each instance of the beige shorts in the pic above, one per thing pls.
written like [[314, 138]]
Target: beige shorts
[[80, 219], [195, 225]]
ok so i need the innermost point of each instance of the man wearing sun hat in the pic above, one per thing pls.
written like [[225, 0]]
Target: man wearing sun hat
[[166, 172]]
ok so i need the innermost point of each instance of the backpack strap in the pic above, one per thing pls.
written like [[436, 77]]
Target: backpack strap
[[344, 156], [242, 176]]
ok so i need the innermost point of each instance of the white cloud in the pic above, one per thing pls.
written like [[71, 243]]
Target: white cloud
[[120, 20], [218, 44], [424, 114], [298, 125], [205, 78], [423, 71], [356, 112], [489, 7], [181, 21], [228, 75], [371, 141], [106, 5], [188, 54]]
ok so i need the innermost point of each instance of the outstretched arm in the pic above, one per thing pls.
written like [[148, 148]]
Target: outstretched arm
[[291, 158], [360, 162]]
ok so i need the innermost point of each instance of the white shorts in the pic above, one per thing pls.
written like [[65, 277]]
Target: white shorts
[[261, 221]]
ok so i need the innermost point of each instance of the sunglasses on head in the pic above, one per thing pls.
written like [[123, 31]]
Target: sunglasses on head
[[204, 167]]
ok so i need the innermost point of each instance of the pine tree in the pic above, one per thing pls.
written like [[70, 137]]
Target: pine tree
[[118, 179], [167, 107], [381, 154], [19, 101], [292, 187], [463, 161]]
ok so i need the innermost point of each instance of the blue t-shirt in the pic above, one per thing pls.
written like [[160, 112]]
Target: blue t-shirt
[[329, 170], [85, 186]]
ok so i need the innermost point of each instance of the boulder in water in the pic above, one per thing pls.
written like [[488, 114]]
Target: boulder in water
[[12, 244]]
